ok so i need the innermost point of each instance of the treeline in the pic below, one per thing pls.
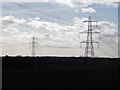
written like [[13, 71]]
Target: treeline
[[32, 62]]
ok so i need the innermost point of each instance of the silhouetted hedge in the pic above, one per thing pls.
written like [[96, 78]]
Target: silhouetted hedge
[[31, 62]]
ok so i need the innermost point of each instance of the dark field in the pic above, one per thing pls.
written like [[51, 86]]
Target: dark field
[[60, 72]]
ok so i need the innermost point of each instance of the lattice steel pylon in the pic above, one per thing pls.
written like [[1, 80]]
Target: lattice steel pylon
[[34, 45], [89, 49]]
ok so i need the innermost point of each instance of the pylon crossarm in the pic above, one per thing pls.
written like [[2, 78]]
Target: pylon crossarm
[[96, 32], [89, 42], [96, 43], [89, 21], [93, 21], [82, 43], [89, 31], [83, 32], [86, 21], [94, 26]]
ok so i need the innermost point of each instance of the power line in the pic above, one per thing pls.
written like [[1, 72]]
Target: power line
[[111, 39], [107, 44], [23, 44], [22, 12], [31, 15], [62, 47], [39, 11], [18, 11], [105, 52], [27, 14]]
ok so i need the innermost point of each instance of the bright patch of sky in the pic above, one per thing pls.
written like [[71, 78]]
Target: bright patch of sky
[[57, 25]]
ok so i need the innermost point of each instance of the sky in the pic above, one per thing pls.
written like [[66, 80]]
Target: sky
[[56, 25]]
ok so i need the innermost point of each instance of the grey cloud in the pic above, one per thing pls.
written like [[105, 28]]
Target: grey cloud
[[54, 34]]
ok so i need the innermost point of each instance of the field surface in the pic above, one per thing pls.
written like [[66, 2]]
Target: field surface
[[60, 72]]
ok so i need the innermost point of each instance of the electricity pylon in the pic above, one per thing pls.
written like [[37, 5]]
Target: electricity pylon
[[89, 49], [34, 45]]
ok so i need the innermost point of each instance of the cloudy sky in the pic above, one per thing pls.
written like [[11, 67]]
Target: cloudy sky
[[56, 24]]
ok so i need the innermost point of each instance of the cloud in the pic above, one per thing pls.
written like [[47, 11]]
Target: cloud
[[78, 5], [86, 3], [10, 20], [12, 30], [113, 3], [88, 10], [25, 0], [37, 18], [107, 28], [54, 35], [54, 30], [73, 3]]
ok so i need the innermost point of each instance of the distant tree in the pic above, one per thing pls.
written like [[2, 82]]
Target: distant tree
[[6, 56], [18, 56]]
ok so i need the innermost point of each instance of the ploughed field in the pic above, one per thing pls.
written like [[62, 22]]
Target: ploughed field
[[60, 72]]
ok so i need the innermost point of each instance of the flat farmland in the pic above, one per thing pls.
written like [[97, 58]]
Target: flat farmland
[[60, 72]]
